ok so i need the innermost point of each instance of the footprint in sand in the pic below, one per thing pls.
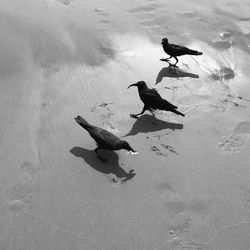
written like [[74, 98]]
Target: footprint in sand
[[178, 244], [224, 73], [224, 42], [100, 12], [147, 8], [234, 142], [157, 151], [65, 2], [246, 196], [245, 193], [167, 148], [103, 14], [146, 15], [187, 216], [148, 23], [118, 181], [189, 15], [19, 193]]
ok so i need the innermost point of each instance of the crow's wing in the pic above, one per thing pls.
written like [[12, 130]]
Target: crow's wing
[[153, 99], [103, 137], [178, 49], [152, 93], [164, 104], [150, 96]]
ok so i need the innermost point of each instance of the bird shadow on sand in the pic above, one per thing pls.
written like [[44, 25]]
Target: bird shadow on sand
[[173, 73], [108, 168], [148, 123]]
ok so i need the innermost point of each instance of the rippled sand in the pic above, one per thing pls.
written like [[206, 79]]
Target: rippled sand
[[188, 188]]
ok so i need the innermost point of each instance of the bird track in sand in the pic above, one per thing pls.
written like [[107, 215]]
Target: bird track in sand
[[167, 149], [105, 117]]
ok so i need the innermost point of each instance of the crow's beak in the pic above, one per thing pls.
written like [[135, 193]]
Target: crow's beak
[[135, 84], [130, 149]]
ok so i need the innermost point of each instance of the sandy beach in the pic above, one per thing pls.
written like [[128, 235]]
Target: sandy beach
[[189, 186]]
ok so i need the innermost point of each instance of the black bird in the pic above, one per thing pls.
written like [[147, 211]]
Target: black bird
[[103, 138], [176, 50], [152, 100]]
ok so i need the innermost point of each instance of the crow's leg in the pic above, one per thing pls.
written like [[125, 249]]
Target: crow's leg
[[176, 62], [99, 156], [136, 115], [151, 111]]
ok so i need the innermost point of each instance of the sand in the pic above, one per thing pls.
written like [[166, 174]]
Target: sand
[[189, 186]]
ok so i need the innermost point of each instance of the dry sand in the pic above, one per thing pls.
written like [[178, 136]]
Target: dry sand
[[189, 186]]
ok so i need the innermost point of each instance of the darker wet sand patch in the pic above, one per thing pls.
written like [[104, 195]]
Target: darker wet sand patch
[[148, 23], [224, 73], [224, 41]]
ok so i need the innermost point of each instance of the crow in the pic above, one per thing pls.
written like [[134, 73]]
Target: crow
[[103, 138], [176, 50], [152, 100]]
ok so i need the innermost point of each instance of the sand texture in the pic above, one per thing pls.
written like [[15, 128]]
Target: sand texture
[[188, 188]]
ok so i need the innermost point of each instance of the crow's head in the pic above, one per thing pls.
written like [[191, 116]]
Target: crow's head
[[164, 41], [139, 84]]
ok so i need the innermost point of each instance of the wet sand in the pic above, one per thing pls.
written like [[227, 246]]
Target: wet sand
[[188, 188]]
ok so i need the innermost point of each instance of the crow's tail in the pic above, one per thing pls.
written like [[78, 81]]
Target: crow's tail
[[194, 52], [163, 104], [177, 112], [83, 123]]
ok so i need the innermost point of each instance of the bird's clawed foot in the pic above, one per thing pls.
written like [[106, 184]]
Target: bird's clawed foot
[[173, 65], [170, 64], [164, 59], [134, 116], [124, 180], [152, 112]]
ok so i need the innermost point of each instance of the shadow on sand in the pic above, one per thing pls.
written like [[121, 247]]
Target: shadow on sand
[[173, 73], [148, 123], [110, 167]]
